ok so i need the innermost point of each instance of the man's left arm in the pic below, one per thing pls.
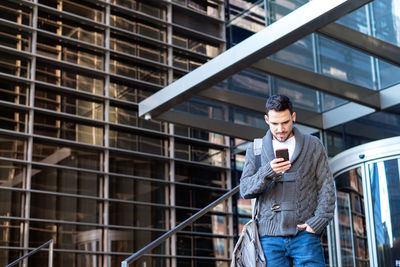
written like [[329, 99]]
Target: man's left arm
[[326, 195]]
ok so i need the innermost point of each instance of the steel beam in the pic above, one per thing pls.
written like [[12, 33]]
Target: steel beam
[[363, 42], [323, 83], [294, 26]]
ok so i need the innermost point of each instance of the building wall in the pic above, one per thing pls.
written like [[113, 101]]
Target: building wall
[[77, 164]]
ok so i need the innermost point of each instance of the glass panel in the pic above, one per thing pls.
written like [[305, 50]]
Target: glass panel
[[12, 174], [199, 134], [201, 154], [65, 236], [195, 45], [137, 142], [352, 226], [55, 75], [10, 234], [67, 129], [345, 63], [12, 148], [385, 191], [137, 190], [87, 10], [10, 255], [124, 44], [389, 74], [202, 246], [346, 241], [248, 82], [356, 20], [14, 65], [14, 38], [69, 53], [10, 203], [193, 197], [279, 9], [133, 215], [65, 208], [143, 261], [129, 117], [15, 12], [62, 26], [330, 102], [386, 24], [13, 120], [301, 96], [213, 224], [199, 175], [68, 259], [246, 18], [66, 156], [147, 8], [298, 54], [132, 165], [13, 92], [68, 104], [65, 181]]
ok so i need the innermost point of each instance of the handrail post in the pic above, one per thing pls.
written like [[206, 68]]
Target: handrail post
[[51, 253], [50, 243]]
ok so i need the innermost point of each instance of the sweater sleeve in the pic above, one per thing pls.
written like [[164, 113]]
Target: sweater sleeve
[[253, 182], [326, 195]]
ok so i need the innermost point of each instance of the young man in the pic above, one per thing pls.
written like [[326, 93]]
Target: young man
[[299, 205]]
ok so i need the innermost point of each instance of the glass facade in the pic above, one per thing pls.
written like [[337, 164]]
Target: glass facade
[[77, 163]]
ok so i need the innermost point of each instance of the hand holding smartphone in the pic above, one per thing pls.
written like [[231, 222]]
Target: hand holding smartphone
[[282, 153]]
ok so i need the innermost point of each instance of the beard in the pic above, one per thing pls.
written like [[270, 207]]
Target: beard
[[282, 138]]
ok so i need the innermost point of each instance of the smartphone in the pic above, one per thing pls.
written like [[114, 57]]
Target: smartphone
[[282, 153]]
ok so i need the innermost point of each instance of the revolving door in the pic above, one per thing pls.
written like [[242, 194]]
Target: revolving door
[[366, 227]]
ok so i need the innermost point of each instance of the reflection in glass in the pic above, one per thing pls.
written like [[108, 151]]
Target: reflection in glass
[[10, 203], [385, 191], [64, 208], [345, 63], [202, 246], [12, 174], [136, 142], [9, 234], [137, 190], [12, 148], [186, 173], [133, 165], [66, 156], [132, 215], [351, 215], [200, 154], [65, 181]]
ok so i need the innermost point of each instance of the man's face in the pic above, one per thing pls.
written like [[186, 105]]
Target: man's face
[[280, 123]]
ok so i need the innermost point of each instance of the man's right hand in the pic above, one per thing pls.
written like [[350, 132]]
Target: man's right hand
[[278, 165]]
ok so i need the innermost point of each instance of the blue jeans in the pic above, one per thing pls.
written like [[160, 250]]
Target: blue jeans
[[303, 250]]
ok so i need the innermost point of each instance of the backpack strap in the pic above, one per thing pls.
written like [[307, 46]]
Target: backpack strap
[[257, 148]]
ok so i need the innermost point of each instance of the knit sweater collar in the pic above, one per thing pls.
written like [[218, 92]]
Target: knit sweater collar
[[268, 150]]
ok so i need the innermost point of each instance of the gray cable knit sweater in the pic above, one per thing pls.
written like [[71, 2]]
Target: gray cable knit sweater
[[303, 194]]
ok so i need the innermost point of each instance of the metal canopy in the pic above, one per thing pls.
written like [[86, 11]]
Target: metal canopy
[[294, 26]]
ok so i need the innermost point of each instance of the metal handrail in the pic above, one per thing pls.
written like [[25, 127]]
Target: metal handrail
[[36, 250], [182, 225]]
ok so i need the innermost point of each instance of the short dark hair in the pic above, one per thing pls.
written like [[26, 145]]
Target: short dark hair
[[278, 103]]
